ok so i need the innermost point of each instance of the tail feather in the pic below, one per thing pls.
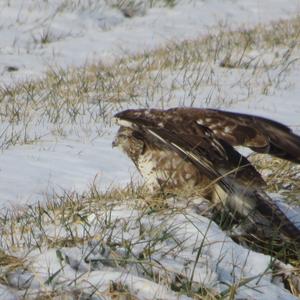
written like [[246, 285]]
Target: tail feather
[[268, 208]]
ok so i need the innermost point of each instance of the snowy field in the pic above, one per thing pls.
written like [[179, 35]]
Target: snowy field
[[79, 34], [65, 68], [37, 35]]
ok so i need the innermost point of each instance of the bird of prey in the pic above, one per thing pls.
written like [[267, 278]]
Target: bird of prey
[[193, 148]]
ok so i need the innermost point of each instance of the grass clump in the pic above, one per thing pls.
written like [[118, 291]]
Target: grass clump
[[203, 72], [121, 229]]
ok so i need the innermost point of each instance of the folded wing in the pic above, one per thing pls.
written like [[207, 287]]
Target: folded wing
[[215, 158], [208, 148], [260, 134]]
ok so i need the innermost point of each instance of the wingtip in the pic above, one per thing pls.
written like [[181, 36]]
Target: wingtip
[[121, 114]]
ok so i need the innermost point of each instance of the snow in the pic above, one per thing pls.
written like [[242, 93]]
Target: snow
[[53, 164], [6, 293], [79, 34], [60, 166], [82, 34], [94, 265]]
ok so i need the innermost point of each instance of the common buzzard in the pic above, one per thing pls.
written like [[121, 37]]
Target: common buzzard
[[193, 148]]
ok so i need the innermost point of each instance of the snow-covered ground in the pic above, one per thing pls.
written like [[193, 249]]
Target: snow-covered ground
[[79, 34], [36, 35], [119, 254]]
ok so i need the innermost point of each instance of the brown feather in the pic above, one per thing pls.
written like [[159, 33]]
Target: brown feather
[[260, 134]]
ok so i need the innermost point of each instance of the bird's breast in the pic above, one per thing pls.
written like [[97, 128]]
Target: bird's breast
[[166, 169]]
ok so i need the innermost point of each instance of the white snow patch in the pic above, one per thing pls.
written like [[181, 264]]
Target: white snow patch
[[94, 265]]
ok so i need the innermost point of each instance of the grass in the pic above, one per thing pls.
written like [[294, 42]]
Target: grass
[[137, 7], [281, 176], [95, 223], [47, 36], [85, 98], [204, 72], [86, 221], [63, 213]]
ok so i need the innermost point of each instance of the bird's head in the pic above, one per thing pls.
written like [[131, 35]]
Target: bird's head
[[129, 141]]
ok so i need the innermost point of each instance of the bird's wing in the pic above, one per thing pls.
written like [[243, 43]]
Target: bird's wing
[[215, 158], [260, 134]]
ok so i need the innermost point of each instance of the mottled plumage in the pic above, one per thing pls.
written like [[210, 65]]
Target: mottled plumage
[[193, 148]]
